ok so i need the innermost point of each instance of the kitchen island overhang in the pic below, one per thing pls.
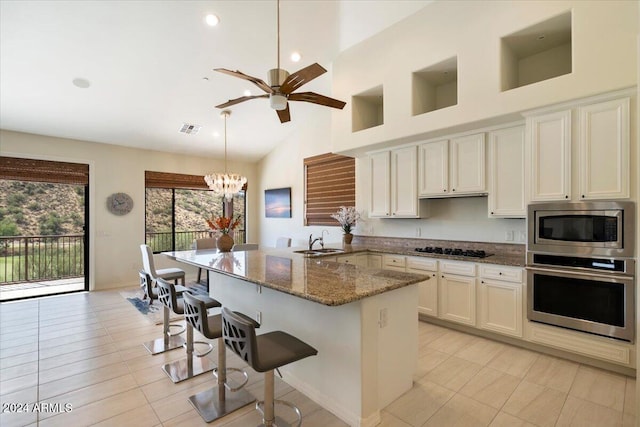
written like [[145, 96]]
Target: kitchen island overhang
[[363, 322]]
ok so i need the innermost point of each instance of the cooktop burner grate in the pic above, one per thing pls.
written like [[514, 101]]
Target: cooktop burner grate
[[472, 253]]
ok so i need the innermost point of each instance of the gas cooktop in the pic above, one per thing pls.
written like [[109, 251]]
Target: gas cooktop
[[454, 251]]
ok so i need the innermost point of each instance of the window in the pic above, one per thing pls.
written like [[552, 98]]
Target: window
[[176, 206], [330, 182]]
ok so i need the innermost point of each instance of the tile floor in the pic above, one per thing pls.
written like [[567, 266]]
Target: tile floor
[[84, 351]]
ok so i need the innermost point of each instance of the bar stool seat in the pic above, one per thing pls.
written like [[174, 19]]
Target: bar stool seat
[[195, 363], [216, 402], [264, 353]]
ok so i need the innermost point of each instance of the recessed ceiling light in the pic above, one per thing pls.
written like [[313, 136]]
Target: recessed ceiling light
[[247, 92], [295, 56], [212, 20], [81, 83]]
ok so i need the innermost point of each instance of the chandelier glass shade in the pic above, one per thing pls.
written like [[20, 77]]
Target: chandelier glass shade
[[225, 184]]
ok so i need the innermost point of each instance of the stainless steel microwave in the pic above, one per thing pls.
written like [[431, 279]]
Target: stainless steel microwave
[[604, 228]]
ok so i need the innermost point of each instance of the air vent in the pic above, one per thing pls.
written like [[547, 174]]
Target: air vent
[[190, 129]]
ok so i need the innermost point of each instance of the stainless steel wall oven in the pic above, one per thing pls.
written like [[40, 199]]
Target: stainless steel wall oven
[[580, 267]]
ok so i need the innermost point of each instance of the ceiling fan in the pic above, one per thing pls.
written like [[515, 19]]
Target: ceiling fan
[[282, 85]]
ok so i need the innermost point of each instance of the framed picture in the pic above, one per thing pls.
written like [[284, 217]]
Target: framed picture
[[277, 203]]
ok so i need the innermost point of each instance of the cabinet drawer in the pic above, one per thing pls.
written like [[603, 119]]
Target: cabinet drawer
[[416, 263], [457, 267], [347, 259], [500, 272], [394, 261]]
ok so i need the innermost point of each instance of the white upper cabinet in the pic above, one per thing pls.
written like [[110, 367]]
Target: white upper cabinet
[[453, 167], [434, 169], [506, 173], [550, 151], [394, 183], [604, 150], [601, 146], [404, 182], [468, 160], [380, 179]]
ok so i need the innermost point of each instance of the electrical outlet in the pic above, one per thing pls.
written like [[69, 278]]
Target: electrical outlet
[[508, 236], [418, 231], [383, 320], [259, 317], [523, 236]]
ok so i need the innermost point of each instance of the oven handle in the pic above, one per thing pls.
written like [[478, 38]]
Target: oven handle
[[565, 272]]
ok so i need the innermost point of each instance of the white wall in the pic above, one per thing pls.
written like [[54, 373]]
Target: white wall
[[114, 241], [603, 57], [283, 167]]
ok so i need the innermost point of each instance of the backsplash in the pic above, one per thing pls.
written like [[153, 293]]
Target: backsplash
[[409, 244]]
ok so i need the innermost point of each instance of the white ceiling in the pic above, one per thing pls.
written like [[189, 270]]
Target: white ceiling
[[147, 60]]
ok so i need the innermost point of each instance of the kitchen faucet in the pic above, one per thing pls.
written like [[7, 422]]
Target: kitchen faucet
[[312, 241]]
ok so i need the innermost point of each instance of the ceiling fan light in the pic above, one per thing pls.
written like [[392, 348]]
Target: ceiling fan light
[[278, 102]]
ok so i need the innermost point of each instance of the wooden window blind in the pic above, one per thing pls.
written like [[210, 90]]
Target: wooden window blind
[[176, 180], [19, 169], [330, 182]]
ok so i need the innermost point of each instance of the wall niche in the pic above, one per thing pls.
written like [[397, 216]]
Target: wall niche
[[537, 53], [435, 87], [367, 109]]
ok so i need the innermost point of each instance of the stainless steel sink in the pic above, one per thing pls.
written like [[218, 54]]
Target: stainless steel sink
[[323, 251]]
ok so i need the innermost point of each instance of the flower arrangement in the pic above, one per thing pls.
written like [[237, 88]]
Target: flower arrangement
[[347, 217], [223, 224]]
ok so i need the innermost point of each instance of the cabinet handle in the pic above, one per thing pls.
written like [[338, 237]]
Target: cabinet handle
[[482, 281], [582, 196], [500, 273], [443, 276], [566, 197], [434, 275], [491, 213], [445, 190], [453, 189]]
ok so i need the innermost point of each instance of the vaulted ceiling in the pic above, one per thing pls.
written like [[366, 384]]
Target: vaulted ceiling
[[149, 66]]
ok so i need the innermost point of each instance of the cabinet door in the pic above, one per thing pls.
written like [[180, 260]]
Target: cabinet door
[[467, 165], [500, 305], [379, 177], [550, 151], [404, 183], [362, 260], [604, 150], [374, 261], [506, 178], [428, 292], [433, 169], [347, 259], [457, 295]]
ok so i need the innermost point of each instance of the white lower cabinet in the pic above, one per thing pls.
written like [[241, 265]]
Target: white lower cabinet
[[428, 296], [394, 262], [457, 292], [500, 300], [347, 259], [374, 261]]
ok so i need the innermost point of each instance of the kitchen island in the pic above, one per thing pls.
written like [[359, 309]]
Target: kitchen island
[[363, 322]]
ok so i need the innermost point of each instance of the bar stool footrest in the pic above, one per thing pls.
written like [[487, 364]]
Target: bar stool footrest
[[176, 325], [279, 422], [227, 383], [202, 353]]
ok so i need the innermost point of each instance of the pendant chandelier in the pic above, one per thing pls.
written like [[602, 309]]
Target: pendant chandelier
[[226, 184]]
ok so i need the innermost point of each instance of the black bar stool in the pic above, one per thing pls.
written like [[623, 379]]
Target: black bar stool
[[170, 340], [264, 353], [215, 402], [195, 363]]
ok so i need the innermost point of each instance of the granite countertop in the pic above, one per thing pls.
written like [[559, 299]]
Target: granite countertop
[[312, 278]]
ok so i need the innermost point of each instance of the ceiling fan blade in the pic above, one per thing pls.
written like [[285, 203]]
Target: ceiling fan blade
[[256, 81], [317, 99], [231, 102], [300, 77], [284, 115]]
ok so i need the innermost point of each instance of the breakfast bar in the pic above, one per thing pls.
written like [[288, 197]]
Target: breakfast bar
[[362, 321]]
